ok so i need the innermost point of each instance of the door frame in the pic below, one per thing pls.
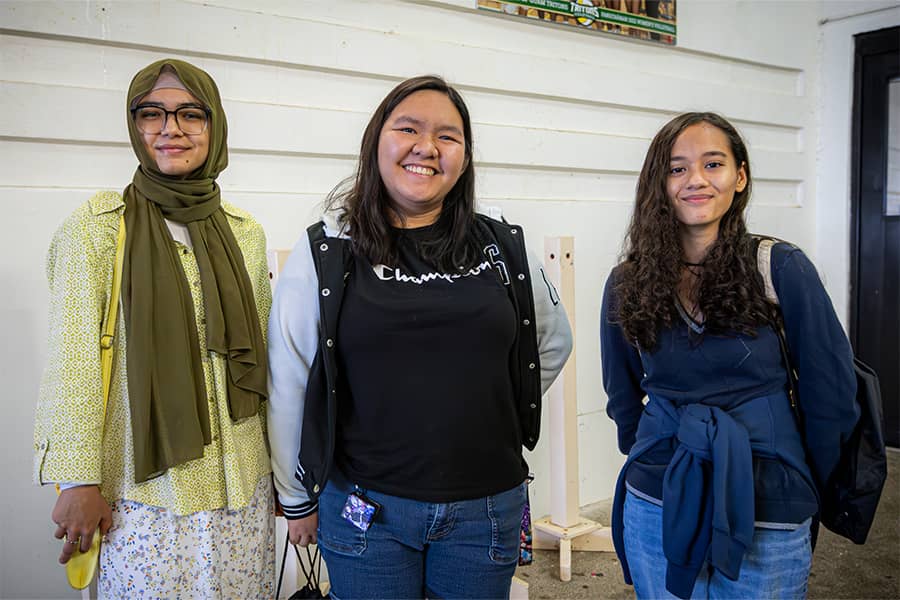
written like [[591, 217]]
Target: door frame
[[875, 67], [867, 44]]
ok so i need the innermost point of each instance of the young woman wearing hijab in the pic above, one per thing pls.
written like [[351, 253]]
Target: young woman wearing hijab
[[179, 483], [717, 487], [410, 343]]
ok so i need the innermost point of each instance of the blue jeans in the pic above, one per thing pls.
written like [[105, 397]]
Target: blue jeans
[[415, 549], [776, 565]]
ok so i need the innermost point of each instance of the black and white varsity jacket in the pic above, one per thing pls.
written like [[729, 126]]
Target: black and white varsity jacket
[[305, 383]]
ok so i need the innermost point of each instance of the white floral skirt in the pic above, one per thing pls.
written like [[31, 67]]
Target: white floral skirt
[[151, 553]]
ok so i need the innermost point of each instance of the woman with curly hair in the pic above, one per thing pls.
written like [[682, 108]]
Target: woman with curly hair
[[717, 485]]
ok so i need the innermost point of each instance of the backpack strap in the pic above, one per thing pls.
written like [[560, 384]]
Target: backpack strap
[[764, 247], [764, 264]]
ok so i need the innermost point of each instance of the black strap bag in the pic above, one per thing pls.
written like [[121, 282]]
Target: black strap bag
[[312, 588], [849, 499]]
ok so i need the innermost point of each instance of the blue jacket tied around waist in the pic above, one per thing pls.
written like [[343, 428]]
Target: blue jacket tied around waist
[[708, 495]]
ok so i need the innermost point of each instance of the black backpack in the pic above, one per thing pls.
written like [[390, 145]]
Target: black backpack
[[848, 500]]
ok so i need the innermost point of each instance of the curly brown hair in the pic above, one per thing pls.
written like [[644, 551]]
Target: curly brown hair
[[729, 293]]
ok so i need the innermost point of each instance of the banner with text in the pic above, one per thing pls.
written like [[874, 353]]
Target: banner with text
[[651, 20]]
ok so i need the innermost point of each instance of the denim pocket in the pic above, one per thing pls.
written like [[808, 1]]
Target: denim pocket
[[505, 513], [335, 534], [777, 564]]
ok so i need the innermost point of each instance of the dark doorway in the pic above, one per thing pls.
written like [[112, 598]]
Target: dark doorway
[[875, 206]]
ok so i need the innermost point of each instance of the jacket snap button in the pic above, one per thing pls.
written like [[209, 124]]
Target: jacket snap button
[[521, 276], [323, 247], [534, 406], [514, 231], [329, 342], [326, 291], [531, 365], [316, 488], [526, 322]]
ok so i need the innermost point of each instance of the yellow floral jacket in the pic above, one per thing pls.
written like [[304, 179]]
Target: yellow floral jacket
[[69, 420]]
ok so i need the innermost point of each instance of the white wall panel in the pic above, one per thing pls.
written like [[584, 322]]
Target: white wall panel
[[28, 59], [320, 45], [562, 119], [34, 111], [529, 38]]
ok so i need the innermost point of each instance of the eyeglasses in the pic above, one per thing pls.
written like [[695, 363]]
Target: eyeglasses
[[152, 119]]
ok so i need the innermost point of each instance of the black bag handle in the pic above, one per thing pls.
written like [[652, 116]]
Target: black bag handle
[[311, 588]]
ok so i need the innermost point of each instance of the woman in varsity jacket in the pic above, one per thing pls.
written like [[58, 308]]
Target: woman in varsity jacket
[[410, 343], [717, 485]]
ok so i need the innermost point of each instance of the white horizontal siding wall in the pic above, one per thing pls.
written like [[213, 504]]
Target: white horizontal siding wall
[[562, 121]]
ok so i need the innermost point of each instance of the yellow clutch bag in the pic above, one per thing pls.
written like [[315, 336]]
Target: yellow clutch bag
[[82, 566]]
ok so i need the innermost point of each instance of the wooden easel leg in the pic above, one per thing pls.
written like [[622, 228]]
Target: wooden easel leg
[[565, 560], [518, 589]]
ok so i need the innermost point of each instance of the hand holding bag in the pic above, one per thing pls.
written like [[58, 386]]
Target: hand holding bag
[[312, 589], [82, 566]]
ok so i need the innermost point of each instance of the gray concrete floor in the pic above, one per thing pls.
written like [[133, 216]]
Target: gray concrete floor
[[841, 569]]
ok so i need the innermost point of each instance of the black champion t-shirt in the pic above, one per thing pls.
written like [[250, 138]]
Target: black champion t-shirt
[[430, 413]]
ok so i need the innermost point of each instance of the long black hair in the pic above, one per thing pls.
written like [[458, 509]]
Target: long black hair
[[366, 208]]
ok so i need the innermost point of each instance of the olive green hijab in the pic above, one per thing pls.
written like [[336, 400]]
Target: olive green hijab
[[166, 383]]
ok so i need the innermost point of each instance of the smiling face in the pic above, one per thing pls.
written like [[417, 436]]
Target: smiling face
[[703, 177], [421, 155], [175, 153]]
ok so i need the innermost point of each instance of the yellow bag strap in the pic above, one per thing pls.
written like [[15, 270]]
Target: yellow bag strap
[[108, 337]]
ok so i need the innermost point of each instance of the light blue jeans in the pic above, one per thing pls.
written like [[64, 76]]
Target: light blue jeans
[[776, 565], [415, 549]]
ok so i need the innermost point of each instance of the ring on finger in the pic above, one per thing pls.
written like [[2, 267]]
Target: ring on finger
[[73, 542]]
